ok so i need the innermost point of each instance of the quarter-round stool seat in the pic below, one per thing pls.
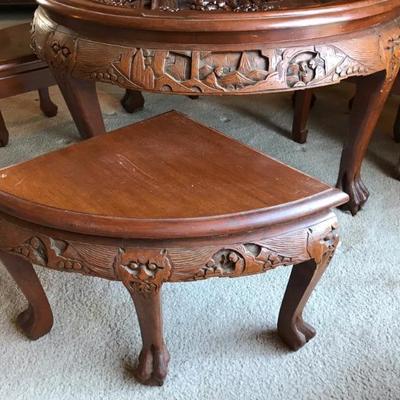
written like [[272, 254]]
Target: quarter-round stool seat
[[164, 200]]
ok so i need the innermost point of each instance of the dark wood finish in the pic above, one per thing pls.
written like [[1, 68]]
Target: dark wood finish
[[21, 71], [303, 105], [15, 3], [3, 132], [153, 359], [48, 108], [83, 103], [266, 47], [171, 212], [304, 277], [371, 95], [37, 319], [396, 127], [132, 101], [303, 100]]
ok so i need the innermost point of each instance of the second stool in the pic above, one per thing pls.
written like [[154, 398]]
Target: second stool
[[163, 201]]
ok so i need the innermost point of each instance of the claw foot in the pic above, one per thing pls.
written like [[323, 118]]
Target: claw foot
[[34, 327], [297, 334], [357, 192], [152, 367]]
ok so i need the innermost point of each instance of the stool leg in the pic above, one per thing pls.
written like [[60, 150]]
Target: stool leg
[[3, 132], [398, 170], [153, 360], [48, 108], [83, 104], [37, 319], [132, 101], [292, 329], [302, 101]]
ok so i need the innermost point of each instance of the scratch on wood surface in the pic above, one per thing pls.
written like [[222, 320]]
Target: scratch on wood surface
[[129, 165]]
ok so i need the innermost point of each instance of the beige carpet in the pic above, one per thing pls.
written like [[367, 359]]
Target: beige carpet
[[221, 333]]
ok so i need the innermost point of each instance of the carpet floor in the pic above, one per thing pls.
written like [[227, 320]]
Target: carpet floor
[[221, 333]]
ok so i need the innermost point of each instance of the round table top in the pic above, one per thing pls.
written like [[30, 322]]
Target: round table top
[[224, 15], [176, 46]]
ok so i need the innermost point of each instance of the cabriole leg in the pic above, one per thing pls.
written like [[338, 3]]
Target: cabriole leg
[[153, 360], [292, 329], [37, 319], [372, 92]]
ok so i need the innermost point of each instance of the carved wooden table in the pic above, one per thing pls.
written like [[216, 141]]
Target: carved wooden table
[[225, 47], [174, 218]]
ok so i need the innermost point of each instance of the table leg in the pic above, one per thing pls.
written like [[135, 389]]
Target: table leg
[[153, 360], [83, 103], [37, 319], [303, 101], [3, 132], [371, 94], [48, 108]]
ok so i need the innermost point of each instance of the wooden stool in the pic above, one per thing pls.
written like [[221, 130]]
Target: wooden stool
[[21, 71], [164, 200]]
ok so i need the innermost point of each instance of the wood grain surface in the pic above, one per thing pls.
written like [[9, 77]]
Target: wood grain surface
[[165, 169]]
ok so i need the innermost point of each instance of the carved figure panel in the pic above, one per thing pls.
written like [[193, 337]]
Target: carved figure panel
[[216, 72]]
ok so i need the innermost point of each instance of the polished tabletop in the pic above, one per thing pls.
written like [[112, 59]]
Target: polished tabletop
[[167, 169]]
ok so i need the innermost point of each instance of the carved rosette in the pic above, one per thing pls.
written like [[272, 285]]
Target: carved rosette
[[210, 71]]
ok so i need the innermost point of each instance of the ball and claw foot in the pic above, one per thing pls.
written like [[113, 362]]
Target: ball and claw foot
[[152, 366], [357, 192], [33, 327], [297, 334]]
